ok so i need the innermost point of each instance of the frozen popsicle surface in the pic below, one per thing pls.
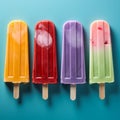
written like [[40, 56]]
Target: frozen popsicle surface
[[101, 63], [73, 62], [16, 60], [45, 59]]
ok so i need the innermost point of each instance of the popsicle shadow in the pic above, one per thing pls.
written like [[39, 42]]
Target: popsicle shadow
[[23, 89], [52, 90], [9, 86], [86, 44], [83, 89], [55, 89], [86, 53], [38, 87], [112, 89], [27, 88], [58, 48]]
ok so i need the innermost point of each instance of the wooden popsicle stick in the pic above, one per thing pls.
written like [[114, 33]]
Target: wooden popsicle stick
[[16, 91], [102, 91], [45, 91], [72, 92]]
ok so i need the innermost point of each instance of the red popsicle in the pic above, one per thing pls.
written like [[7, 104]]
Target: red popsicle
[[45, 59]]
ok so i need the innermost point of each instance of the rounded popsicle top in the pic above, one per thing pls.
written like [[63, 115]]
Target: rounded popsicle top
[[45, 60], [39, 24], [72, 31], [16, 21], [17, 28], [66, 24], [17, 25], [44, 31], [100, 29], [73, 63], [94, 22]]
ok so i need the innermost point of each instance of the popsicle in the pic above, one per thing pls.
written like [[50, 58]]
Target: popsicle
[[73, 62], [101, 63], [16, 68], [45, 60]]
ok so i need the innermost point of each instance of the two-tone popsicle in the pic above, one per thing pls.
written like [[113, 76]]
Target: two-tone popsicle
[[101, 63]]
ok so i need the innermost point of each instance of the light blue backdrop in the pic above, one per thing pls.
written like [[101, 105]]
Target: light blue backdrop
[[88, 106]]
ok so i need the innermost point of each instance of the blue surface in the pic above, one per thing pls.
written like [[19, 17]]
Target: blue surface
[[59, 107]]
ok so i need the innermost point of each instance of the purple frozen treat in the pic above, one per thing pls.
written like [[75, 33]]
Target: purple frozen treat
[[73, 62]]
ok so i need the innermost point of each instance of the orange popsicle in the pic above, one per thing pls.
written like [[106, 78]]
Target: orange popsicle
[[16, 68]]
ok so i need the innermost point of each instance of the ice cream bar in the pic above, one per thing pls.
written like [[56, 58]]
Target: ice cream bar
[[73, 62], [16, 68], [101, 63], [45, 60]]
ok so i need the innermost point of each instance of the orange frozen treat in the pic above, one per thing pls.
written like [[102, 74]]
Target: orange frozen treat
[[17, 60]]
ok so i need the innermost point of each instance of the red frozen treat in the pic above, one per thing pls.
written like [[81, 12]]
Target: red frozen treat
[[45, 59]]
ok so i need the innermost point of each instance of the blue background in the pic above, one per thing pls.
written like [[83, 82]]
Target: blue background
[[59, 106]]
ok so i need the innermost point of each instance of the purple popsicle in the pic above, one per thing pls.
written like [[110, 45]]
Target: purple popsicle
[[73, 63]]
